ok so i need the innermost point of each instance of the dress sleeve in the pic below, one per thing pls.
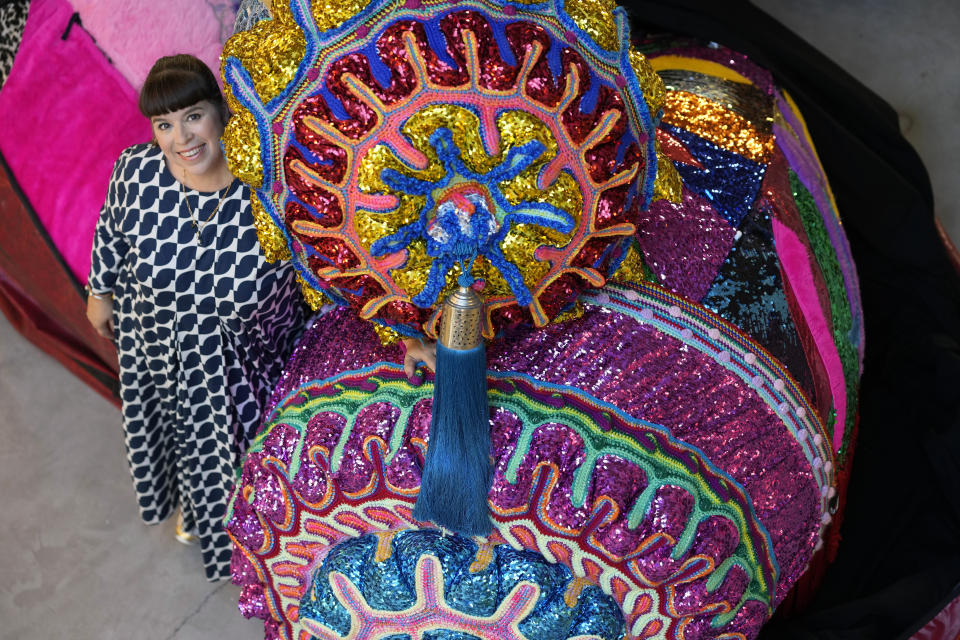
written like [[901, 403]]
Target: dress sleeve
[[110, 246]]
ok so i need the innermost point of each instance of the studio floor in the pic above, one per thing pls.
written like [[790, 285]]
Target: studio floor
[[75, 561]]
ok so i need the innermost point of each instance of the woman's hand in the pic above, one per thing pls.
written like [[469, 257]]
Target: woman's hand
[[418, 350], [100, 314]]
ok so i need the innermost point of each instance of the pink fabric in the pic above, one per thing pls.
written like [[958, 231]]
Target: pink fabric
[[796, 268], [945, 626], [67, 115], [134, 33]]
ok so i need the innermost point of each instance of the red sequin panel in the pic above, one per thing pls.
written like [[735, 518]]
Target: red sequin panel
[[332, 165], [541, 85], [357, 290], [511, 315], [333, 253], [496, 74], [675, 150], [326, 203], [612, 209], [392, 51], [602, 157], [592, 252], [403, 78], [331, 171], [401, 312], [578, 124], [362, 117], [296, 211], [557, 296]]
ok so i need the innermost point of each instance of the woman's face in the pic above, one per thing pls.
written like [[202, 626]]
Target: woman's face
[[190, 139]]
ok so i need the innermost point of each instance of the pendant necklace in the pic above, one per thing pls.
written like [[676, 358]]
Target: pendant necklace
[[197, 224]]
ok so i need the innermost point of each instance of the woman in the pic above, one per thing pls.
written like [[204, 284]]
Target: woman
[[202, 322]]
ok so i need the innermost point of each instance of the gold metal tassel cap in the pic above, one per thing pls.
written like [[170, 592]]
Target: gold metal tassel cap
[[460, 322]]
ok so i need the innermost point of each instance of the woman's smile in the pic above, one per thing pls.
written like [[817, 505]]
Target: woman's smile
[[192, 153]]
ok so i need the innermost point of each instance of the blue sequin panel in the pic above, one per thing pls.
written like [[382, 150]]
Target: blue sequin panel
[[390, 585], [730, 181]]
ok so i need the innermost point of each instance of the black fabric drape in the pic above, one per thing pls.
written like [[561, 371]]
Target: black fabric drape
[[900, 555]]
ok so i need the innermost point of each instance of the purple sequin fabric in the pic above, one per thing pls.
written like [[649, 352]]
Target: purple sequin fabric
[[324, 351], [654, 377], [685, 244]]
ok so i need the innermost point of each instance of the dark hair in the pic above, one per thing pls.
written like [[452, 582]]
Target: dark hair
[[176, 82]]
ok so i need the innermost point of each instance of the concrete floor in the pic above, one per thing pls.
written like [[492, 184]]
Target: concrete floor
[[74, 559]]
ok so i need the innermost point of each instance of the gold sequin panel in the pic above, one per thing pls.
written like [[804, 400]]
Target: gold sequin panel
[[735, 116]]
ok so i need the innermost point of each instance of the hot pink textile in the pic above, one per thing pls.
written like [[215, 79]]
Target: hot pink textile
[[134, 33], [67, 114], [796, 267], [945, 626]]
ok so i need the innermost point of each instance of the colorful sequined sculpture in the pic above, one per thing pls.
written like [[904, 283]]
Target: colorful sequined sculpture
[[683, 444], [666, 464], [399, 145]]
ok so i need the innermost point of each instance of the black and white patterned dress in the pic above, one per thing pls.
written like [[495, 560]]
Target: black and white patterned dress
[[202, 328]]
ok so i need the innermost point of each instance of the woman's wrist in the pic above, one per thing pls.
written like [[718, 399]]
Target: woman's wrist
[[106, 295]]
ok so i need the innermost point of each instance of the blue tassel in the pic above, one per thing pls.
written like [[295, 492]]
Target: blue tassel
[[456, 471]]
